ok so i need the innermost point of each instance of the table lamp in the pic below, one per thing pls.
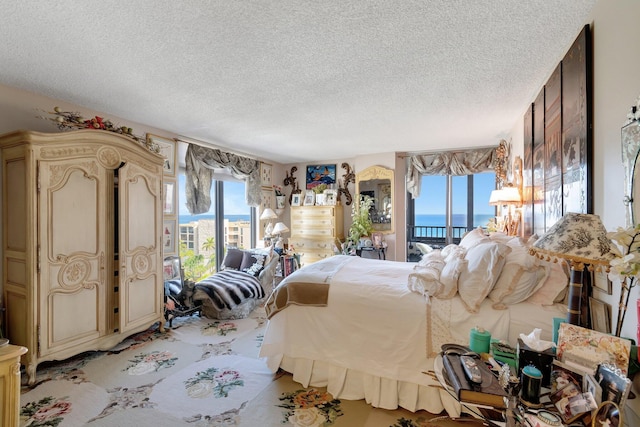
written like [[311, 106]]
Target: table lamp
[[277, 231], [267, 215], [581, 240]]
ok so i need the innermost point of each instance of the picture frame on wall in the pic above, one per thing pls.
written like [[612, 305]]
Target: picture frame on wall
[[320, 174], [266, 174], [169, 237], [169, 201], [167, 148]]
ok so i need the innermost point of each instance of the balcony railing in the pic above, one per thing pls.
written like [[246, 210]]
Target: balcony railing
[[432, 235]]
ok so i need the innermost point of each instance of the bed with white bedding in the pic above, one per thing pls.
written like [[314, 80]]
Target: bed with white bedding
[[376, 332]]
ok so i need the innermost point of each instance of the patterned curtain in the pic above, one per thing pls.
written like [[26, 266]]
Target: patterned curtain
[[448, 163], [201, 162]]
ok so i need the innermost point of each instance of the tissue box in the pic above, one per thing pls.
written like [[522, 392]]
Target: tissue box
[[504, 353], [540, 359]]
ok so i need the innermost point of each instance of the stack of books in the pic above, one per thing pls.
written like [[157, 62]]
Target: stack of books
[[289, 264], [489, 392]]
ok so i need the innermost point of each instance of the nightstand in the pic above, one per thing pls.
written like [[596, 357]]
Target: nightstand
[[10, 384]]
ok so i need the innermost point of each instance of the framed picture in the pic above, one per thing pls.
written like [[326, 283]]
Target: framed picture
[[614, 383], [602, 283], [320, 174], [169, 237], [295, 199], [600, 315], [376, 238], [592, 386], [608, 414], [330, 197], [167, 149], [266, 172], [309, 198], [169, 205], [572, 403], [562, 375], [268, 198], [171, 268]]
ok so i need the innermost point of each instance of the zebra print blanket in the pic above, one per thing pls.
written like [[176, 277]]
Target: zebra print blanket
[[229, 288]]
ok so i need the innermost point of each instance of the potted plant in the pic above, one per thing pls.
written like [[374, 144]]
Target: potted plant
[[361, 224]]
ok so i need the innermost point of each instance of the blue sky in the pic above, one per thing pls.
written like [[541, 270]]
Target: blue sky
[[432, 195]]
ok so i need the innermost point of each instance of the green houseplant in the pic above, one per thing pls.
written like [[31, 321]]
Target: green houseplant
[[361, 224]]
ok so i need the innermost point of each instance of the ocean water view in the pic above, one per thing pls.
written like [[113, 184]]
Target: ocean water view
[[459, 220]]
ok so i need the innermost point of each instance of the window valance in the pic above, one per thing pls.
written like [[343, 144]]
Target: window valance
[[448, 163], [200, 165]]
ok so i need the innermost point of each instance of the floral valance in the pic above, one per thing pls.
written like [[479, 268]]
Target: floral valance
[[200, 165], [448, 163]]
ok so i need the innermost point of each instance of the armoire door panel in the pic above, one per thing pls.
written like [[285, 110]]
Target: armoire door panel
[[72, 231], [73, 315], [140, 253]]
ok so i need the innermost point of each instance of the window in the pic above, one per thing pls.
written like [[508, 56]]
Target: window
[[203, 240], [448, 207]]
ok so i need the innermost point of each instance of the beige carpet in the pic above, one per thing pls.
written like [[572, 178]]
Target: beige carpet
[[200, 373]]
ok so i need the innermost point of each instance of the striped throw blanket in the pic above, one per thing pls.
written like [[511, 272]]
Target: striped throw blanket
[[229, 288]]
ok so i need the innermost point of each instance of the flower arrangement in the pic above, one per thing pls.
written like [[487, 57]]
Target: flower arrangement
[[66, 120], [278, 190], [625, 265]]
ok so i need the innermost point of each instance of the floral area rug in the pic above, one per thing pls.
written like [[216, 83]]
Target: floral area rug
[[200, 373]]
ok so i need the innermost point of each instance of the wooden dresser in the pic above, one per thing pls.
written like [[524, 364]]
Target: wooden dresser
[[10, 385], [314, 230]]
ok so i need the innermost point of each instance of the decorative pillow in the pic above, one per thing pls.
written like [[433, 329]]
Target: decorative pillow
[[554, 286], [449, 277], [484, 263], [424, 279], [520, 277], [253, 262], [233, 259], [434, 255], [473, 238], [452, 251]]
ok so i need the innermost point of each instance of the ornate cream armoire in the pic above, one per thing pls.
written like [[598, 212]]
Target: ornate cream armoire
[[81, 241]]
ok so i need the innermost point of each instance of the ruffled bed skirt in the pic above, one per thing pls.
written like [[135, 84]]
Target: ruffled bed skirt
[[379, 392]]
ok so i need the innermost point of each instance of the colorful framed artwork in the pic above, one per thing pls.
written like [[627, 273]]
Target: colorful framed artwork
[[320, 174], [169, 237], [167, 148], [266, 174], [169, 197]]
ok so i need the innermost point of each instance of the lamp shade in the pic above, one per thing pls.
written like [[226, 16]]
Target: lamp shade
[[496, 197], [578, 238], [511, 196], [280, 228], [268, 213]]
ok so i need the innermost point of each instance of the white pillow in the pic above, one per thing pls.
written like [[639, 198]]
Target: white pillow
[[449, 278], [425, 279], [474, 237], [554, 285], [515, 284], [484, 263]]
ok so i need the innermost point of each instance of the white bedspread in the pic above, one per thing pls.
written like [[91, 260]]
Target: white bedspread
[[371, 340]]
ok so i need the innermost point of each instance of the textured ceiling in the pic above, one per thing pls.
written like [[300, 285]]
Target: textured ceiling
[[296, 81]]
